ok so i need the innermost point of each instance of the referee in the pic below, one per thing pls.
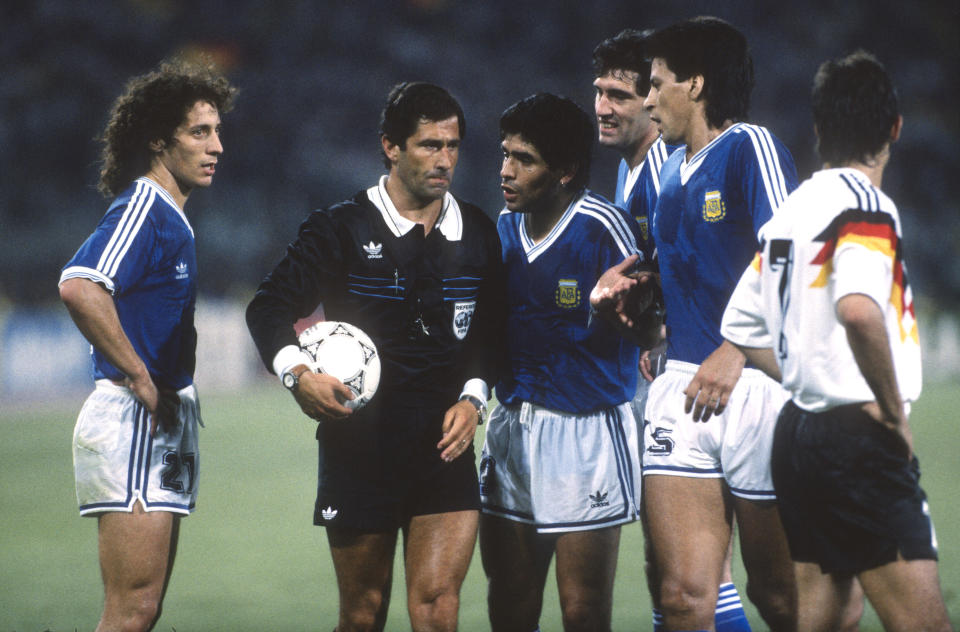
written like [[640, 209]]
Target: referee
[[420, 272]]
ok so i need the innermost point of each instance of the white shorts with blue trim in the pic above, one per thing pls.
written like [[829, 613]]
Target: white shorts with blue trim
[[560, 471], [117, 463], [735, 445]]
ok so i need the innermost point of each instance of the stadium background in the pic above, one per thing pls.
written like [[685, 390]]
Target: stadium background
[[313, 76]]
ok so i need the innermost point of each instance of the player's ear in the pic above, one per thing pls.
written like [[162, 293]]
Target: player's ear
[[390, 149], [157, 146], [568, 174], [896, 129], [696, 87]]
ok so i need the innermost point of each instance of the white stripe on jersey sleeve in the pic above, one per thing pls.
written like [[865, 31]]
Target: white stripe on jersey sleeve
[[82, 272], [614, 222], [656, 156], [126, 230], [109, 252], [769, 161]]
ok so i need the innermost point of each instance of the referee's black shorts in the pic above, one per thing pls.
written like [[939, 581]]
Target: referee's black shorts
[[380, 467], [849, 498]]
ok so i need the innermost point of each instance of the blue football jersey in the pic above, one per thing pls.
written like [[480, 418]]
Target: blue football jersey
[[706, 224], [639, 197], [143, 253], [554, 358]]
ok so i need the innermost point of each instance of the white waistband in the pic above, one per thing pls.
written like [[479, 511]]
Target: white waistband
[[109, 385], [690, 369]]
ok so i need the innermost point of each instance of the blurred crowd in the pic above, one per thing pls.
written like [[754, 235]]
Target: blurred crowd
[[313, 76]]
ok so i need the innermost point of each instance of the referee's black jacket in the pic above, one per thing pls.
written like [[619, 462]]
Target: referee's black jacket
[[434, 307]]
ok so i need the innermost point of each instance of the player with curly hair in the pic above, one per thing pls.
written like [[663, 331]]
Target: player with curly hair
[[131, 290]]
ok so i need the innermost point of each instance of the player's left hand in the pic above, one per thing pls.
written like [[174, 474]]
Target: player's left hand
[[459, 428], [709, 390]]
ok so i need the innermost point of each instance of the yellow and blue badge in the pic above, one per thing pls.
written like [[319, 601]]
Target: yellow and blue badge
[[713, 207], [644, 227], [567, 293]]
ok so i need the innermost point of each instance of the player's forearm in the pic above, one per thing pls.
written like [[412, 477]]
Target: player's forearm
[[763, 359], [92, 309], [867, 336], [270, 322]]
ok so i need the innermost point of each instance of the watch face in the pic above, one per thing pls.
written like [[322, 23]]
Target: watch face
[[289, 380]]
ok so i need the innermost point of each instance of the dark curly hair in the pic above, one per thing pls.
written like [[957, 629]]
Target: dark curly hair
[[624, 51], [151, 108], [560, 130]]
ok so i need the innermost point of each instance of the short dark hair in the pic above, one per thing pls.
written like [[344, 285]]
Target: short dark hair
[[151, 108], [559, 128], [411, 102], [854, 108], [713, 48], [624, 51]]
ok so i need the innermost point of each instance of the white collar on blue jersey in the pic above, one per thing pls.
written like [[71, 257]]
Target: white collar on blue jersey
[[688, 168], [533, 250], [450, 222], [630, 181], [168, 199]]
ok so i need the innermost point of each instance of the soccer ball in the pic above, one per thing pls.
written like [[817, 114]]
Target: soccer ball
[[347, 353]]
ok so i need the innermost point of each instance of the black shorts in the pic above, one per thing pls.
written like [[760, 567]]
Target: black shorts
[[849, 498], [381, 466]]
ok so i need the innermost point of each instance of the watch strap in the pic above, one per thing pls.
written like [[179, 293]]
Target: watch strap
[[479, 405]]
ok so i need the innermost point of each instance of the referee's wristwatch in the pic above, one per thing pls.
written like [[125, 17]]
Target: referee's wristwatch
[[480, 406], [291, 377]]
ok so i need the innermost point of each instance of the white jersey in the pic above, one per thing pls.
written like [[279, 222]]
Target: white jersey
[[836, 235]]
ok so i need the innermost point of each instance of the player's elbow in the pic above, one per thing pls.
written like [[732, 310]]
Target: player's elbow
[[73, 291], [858, 312]]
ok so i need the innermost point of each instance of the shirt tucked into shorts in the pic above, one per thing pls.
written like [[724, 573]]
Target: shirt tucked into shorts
[[117, 462], [734, 445], [561, 471]]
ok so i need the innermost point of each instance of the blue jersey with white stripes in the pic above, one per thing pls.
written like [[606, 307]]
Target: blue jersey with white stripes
[[554, 358], [639, 197], [706, 225], [143, 253]]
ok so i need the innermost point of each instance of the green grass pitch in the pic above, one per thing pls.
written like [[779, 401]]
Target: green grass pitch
[[250, 558]]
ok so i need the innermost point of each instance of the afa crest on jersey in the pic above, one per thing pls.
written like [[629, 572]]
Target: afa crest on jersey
[[644, 227], [714, 209], [567, 293]]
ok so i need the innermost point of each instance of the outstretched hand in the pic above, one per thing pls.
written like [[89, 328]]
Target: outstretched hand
[[613, 285], [623, 292]]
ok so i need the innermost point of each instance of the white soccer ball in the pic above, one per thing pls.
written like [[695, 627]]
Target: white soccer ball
[[347, 353]]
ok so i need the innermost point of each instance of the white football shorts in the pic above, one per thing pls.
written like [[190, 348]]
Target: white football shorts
[[117, 462], [561, 471], [735, 445]]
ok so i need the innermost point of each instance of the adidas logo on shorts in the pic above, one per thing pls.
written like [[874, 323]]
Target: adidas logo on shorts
[[329, 513], [599, 500]]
